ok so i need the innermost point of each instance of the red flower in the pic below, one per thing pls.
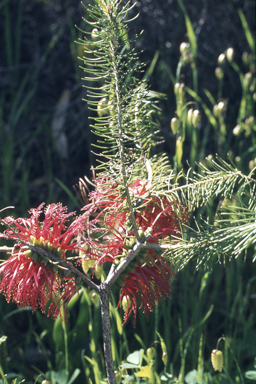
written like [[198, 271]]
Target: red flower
[[149, 280], [27, 278]]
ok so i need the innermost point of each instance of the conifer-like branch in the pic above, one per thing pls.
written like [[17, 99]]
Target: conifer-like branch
[[124, 123]]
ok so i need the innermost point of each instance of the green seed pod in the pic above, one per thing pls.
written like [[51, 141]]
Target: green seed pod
[[230, 54], [151, 353], [217, 360], [175, 124]]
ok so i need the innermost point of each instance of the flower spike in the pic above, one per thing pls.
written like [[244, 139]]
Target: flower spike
[[27, 278]]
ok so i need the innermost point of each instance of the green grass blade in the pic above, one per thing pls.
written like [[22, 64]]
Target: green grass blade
[[190, 29], [247, 31]]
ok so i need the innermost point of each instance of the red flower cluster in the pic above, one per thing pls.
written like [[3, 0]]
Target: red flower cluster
[[149, 281], [27, 278]]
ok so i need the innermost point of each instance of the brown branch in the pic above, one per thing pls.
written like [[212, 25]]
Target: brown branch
[[115, 273]]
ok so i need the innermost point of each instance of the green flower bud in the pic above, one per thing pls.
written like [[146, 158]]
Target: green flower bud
[[85, 265], [190, 116], [219, 73], [130, 243], [175, 124], [253, 85], [118, 377], [252, 164], [176, 88], [247, 79], [95, 34], [98, 271], [246, 58], [196, 118], [28, 253], [102, 107], [250, 121], [184, 48], [83, 251], [217, 360], [164, 358], [117, 261], [187, 58], [151, 353], [95, 298], [182, 90], [215, 110], [111, 107], [221, 59], [237, 130], [36, 257], [126, 303], [141, 233], [59, 252], [46, 382], [179, 150], [230, 54], [221, 107]]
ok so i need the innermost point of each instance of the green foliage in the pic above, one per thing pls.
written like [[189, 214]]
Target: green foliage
[[126, 130]]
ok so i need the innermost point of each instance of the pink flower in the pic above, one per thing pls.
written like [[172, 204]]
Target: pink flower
[[27, 278], [113, 236]]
